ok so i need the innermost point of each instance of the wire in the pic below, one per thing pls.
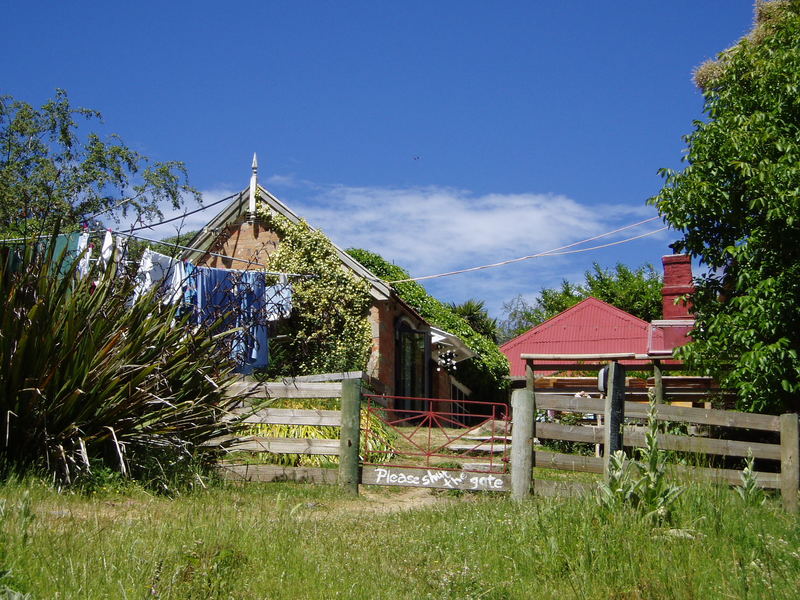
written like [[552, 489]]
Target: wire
[[28, 239], [144, 239], [552, 252], [118, 204], [150, 226], [630, 239], [184, 215]]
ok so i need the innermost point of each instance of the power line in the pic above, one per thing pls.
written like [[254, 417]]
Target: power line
[[552, 252], [630, 239]]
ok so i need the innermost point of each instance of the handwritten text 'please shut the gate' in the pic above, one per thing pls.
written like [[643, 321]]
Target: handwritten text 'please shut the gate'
[[439, 479]]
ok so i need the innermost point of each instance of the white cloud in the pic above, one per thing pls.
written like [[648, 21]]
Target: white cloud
[[432, 229]]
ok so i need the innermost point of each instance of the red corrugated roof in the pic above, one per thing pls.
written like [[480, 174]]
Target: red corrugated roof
[[590, 327]]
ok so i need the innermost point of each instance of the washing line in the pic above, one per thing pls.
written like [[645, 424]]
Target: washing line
[[149, 226], [244, 260], [553, 252], [184, 215]]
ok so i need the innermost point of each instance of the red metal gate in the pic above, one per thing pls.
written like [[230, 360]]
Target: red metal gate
[[440, 443]]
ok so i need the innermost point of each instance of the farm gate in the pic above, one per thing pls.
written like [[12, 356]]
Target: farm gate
[[433, 444]]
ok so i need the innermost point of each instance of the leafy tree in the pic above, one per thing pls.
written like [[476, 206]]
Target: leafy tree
[[636, 291], [474, 312], [737, 206], [52, 169]]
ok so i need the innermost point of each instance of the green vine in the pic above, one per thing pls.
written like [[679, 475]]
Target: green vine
[[328, 331], [485, 374]]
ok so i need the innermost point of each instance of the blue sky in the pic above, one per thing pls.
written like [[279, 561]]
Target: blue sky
[[442, 135]]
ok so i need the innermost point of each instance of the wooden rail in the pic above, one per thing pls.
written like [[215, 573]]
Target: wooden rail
[[287, 416], [250, 389]]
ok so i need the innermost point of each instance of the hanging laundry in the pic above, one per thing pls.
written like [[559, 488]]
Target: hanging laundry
[[279, 299], [251, 344], [85, 252], [120, 251], [107, 249], [163, 271], [65, 250], [240, 299]]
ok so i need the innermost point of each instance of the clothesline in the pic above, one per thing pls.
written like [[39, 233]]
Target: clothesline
[[152, 241], [244, 260]]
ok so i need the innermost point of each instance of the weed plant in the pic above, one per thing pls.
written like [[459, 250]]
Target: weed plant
[[641, 484]]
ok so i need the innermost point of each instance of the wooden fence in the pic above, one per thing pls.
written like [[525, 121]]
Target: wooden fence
[[345, 447], [614, 434], [527, 434]]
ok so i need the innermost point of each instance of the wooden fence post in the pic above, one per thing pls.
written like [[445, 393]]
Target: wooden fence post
[[614, 412], [658, 382], [350, 435], [790, 465], [523, 416]]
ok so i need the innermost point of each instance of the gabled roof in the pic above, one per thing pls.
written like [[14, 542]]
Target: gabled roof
[[237, 211], [590, 327]]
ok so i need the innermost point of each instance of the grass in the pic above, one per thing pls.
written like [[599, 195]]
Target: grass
[[304, 541]]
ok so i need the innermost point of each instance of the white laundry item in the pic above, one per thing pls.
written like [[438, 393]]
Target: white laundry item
[[121, 250], [177, 279], [159, 270], [107, 249], [85, 253], [144, 276]]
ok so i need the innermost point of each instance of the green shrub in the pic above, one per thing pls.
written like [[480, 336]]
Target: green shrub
[[87, 379]]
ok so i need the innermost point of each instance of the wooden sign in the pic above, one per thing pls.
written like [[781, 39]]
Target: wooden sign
[[436, 478]]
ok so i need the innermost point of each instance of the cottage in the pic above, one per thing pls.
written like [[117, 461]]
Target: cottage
[[405, 348], [595, 327]]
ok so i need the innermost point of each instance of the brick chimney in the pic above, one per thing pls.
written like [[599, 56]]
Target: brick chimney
[[677, 283]]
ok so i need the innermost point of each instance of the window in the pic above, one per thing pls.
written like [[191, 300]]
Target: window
[[412, 375]]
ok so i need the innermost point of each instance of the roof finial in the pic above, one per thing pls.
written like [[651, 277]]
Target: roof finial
[[253, 186]]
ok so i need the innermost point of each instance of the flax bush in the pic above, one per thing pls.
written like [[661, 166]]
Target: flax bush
[[90, 381]]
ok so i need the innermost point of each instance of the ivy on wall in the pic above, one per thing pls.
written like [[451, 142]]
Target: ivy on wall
[[485, 374], [328, 331]]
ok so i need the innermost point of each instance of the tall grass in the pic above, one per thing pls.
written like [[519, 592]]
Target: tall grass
[[89, 381], [303, 541]]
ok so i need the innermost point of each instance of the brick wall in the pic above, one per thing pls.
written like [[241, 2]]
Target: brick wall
[[250, 242]]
